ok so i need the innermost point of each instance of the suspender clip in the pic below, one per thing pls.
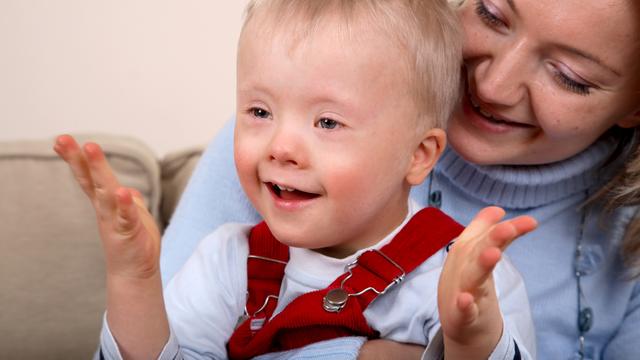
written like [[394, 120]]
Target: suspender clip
[[336, 299]]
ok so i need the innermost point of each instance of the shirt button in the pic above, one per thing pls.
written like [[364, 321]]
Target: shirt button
[[435, 199]]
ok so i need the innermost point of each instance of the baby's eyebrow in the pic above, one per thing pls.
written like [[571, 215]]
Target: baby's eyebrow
[[253, 89], [592, 58]]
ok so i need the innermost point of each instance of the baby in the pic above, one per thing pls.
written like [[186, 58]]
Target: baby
[[340, 111]]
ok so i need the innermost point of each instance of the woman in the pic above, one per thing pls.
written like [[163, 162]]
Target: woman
[[547, 127]]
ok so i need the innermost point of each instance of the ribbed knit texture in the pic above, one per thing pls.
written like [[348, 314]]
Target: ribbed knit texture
[[554, 195], [519, 187]]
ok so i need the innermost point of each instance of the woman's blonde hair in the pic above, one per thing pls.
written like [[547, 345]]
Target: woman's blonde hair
[[427, 32], [624, 190]]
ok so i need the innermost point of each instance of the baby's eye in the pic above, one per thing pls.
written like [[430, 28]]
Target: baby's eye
[[326, 123], [259, 113]]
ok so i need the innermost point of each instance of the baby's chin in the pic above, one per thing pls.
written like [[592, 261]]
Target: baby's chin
[[298, 240], [335, 252]]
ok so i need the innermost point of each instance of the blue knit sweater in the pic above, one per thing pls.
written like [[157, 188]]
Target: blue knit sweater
[[546, 258], [553, 194]]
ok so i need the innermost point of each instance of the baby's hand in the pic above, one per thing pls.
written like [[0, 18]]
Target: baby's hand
[[467, 302], [130, 237]]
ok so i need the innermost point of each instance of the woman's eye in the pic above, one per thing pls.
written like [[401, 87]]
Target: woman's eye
[[259, 113], [487, 16], [572, 85], [326, 123]]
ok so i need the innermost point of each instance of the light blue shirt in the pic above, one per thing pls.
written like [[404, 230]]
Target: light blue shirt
[[546, 258]]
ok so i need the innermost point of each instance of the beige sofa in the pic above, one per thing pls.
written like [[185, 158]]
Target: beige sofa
[[52, 292]]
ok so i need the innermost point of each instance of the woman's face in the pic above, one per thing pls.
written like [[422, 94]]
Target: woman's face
[[545, 78]]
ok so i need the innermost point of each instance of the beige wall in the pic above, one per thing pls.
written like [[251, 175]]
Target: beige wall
[[160, 70]]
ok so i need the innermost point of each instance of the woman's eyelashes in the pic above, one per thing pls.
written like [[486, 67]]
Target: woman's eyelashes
[[572, 85], [487, 16], [493, 18], [569, 83]]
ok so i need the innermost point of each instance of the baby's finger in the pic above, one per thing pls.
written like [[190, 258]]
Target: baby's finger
[[105, 183], [127, 213], [67, 148], [524, 224], [504, 233], [467, 309], [138, 199], [146, 219], [481, 223], [480, 270]]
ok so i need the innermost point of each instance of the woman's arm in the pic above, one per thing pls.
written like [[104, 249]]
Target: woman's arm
[[212, 197]]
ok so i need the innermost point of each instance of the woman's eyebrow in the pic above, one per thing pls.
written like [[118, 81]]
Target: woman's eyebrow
[[592, 58], [513, 7]]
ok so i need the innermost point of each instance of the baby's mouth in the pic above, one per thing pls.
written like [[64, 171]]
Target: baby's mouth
[[291, 194]]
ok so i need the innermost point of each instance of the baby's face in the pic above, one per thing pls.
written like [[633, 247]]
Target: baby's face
[[324, 137]]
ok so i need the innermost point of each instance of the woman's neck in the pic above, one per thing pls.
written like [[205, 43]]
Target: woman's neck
[[532, 185]]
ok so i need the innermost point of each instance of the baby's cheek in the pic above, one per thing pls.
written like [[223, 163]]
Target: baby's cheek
[[344, 179], [247, 169]]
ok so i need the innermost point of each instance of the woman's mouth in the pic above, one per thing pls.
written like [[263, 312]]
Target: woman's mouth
[[487, 120]]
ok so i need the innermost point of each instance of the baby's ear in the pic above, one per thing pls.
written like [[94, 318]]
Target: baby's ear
[[630, 121], [426, 155]]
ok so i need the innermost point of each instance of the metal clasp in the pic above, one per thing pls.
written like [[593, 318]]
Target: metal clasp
[[258, 257], [257, 323], [336, 299]]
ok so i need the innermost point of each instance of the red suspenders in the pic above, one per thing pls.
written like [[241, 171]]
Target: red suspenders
[[337, 310]]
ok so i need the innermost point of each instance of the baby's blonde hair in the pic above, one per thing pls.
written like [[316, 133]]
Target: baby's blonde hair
[[427, 31]]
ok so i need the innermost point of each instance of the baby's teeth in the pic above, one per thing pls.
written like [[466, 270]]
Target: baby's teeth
[[281, 188]]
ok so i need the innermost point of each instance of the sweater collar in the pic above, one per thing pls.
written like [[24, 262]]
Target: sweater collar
[[525, 186]]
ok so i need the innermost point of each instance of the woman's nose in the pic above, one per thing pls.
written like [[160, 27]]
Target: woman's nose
[[501, 79]]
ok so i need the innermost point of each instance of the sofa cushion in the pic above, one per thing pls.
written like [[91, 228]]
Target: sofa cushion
[[52, 272], [176, 170]]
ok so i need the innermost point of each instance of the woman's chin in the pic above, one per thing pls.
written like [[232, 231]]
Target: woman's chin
[[480, 154]]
